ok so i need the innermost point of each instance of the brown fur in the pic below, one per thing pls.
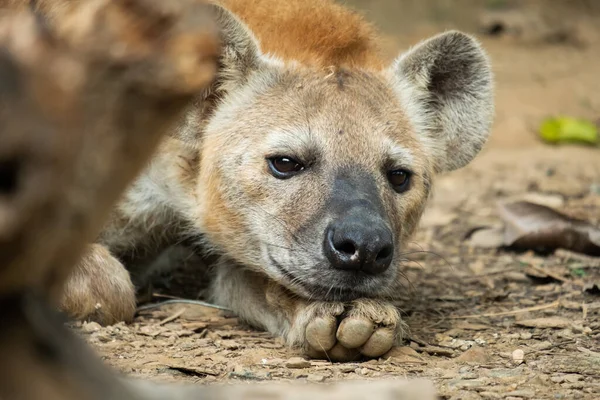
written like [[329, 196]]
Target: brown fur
[[319, 33], [99, 275], [300, 78]]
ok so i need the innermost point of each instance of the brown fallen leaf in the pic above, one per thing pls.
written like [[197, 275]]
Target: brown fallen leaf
[[475, 355], [403, 354], [544, 323], [532, 226]]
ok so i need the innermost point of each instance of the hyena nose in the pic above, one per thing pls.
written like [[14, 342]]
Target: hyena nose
[[355, 245]]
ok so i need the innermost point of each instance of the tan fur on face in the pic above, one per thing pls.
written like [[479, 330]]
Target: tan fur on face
[[358, 126]]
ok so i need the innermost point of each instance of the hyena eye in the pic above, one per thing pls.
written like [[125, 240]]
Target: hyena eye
[[400, 179], [284, 167]]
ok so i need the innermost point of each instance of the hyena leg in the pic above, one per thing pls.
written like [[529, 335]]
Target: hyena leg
[[339, 331], [99, 289], [246, 294]]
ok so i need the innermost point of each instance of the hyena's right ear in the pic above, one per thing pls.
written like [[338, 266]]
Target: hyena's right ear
[[446, 86], [240, 56]]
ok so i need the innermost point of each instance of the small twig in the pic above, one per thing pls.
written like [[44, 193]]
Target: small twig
[[513, 312], [567, 256], [555, 345], [550, 274], [165, 296], [181, 301], [588, 352], [172, 317], [498, 271]]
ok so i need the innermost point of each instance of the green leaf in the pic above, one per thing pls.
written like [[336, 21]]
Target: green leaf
[[568, 129], [578, 272]]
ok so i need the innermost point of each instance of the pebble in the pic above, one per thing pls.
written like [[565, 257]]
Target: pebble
[[90, 327], [297, 363], [525, 335], [316, 378], [518, 356]]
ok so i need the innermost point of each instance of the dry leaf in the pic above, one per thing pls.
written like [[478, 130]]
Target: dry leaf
[[532, 226], [476, 355], [487, 238]]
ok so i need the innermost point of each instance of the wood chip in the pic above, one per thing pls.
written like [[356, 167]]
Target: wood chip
[[297, 363], [436, 351], [475, 354], [545, 323]]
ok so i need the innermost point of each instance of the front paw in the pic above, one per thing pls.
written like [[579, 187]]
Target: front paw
[[348, 331], [99, 289]]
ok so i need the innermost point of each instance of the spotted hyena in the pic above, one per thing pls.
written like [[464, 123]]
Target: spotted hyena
[[305, 169]]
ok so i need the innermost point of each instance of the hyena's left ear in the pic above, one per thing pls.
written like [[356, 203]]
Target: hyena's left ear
[[445, 84], [240, 52], [240, 56]]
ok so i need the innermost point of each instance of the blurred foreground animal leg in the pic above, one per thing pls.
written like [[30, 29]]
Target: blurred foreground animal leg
[[83, 103]]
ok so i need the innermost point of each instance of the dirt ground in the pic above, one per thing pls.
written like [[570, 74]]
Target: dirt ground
[[485, 323]]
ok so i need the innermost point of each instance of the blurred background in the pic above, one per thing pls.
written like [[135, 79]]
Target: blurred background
[[545, 53], [545, 143]]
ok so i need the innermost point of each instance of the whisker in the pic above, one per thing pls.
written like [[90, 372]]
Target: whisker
[[284, 225]]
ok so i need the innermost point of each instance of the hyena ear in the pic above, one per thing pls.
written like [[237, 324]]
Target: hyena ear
[[445, 84], [240, 55]]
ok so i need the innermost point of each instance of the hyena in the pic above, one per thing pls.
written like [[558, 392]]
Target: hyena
[[304, 168]]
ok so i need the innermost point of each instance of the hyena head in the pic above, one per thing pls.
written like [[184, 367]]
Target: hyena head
[[317, 177]]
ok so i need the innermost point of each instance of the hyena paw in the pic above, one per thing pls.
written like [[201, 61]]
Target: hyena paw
[[348, 331], [99, 289]]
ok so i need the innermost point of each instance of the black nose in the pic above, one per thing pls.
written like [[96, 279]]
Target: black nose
[[357, 243]]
